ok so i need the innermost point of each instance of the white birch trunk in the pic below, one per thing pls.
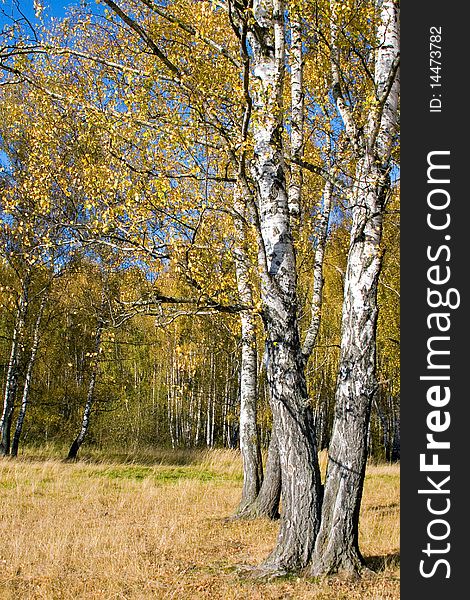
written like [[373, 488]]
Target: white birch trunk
[[316, 304], [292, 415], [199, 418], [11, 383], [266, 504], [208, 408], [169, 401], [213, 417], [28, 378], [249, 436], [297, 114], [76, 444], [337, 547]]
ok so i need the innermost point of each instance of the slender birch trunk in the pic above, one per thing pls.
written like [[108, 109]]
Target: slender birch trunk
[[75, 447], [199, 418], [11, 383], [249, 436], [297, 114], [213, 419], [208, 407], [337, 547], [292, 414], [28, 378], [169, 396], [317, 296], [266, 503]]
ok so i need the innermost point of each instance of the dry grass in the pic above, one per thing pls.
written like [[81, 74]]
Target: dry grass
[[156, 528]]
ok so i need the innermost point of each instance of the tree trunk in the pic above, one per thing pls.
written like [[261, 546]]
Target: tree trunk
[[213, 416], [266, 503], [337, 547], [199, 418], [292, 415], [75, 447], [249, 436], [317, 296], [28, 378], [11, 384], [297, 113], [294, 430]]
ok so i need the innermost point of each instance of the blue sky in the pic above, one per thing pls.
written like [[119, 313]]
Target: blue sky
[[52, 8]]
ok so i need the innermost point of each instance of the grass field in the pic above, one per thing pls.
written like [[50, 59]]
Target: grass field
[[154, 526]]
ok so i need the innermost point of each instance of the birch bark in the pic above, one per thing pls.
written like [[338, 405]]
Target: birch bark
[[78, 441], [297, 114], [315, 307], [249, 436], [337, 547], [266, 503], [292, 415], [11, 383], [28, 378]]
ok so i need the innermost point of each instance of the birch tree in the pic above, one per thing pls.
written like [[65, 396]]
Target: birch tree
[[249, 436], [28, 376], [90, 399], [292, 414], [337, 546], [11, 383]]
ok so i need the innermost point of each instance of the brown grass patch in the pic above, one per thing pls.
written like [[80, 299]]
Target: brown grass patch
[[153, 528]]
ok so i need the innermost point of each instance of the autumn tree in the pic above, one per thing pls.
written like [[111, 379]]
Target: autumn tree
[[27, 249], [173, 145], [371, 126]]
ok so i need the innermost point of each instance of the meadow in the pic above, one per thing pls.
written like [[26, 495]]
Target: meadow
[[154, 525]]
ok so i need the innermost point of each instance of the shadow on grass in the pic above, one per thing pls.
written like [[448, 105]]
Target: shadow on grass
[[384, 508], [380, 563]]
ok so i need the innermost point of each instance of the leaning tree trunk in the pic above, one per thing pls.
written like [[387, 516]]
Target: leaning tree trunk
[[292, 414], [28, 378], [337, 547], [78, 441], [11, 384]]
